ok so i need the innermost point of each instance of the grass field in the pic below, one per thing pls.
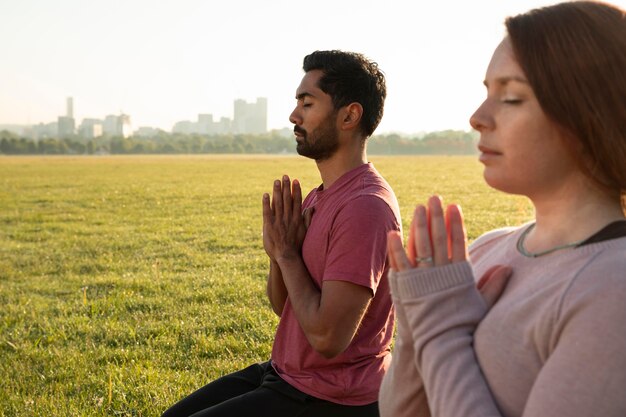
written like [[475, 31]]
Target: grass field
[[127, 282]]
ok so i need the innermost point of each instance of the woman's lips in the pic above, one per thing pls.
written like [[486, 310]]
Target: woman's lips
[[487, 154]]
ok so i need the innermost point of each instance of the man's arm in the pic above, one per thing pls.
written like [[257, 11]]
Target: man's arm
[[329, 316], [276, 290]]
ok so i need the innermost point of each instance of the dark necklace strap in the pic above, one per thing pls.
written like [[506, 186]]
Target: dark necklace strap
[[614, 230], [521, 249]]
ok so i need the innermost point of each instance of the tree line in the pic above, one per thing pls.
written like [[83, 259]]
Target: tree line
[[447, 142]]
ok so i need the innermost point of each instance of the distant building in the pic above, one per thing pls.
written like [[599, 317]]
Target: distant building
[[225, 125], [204, 126], [125, 125], [66, 126], [250, 117], [109, 127], [70, 107], [185, 127], [146, 132], [90, 128], [44, 131], [20, 130], [117, 125]]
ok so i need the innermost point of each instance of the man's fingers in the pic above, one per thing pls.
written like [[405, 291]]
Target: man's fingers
[[493, 282], [277, 199], [287, 201], [457, 236], [395, 250], [297, 197], [267, 210]]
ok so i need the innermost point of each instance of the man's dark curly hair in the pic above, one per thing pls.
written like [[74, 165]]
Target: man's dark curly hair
[[350, 77]]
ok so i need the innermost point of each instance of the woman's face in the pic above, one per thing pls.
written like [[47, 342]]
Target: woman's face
[[522, 150]]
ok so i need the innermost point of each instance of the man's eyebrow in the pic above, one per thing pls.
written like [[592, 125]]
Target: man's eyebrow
[[506, 80], [302, 96]]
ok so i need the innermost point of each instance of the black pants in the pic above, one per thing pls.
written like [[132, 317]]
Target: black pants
[[258, 391]]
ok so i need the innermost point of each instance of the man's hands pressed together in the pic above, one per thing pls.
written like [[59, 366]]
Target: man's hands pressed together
[[284, 229], [283, 223]]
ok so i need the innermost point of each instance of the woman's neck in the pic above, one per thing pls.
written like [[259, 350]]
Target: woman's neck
[[569, 216]]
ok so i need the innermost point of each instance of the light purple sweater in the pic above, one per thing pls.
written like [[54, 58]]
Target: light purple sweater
[[553, 345]]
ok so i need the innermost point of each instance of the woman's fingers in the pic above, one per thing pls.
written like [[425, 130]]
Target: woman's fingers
[[395, 250], [411, 249], [492, 284], [457, 237], [424, 257], [435, 238], [438, 232]]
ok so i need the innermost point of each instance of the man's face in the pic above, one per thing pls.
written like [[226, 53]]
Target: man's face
[[314, 119]]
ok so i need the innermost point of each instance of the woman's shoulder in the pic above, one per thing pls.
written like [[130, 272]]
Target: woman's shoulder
[[606, 260], [601, 278]]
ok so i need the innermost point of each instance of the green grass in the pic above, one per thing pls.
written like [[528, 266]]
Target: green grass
[[128, 282]]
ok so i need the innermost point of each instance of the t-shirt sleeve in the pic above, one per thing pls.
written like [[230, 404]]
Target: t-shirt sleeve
[[357, 250]]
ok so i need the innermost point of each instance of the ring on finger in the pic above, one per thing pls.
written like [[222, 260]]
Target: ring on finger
[[425, 259]]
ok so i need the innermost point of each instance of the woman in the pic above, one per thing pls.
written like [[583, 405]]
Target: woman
[[552, 128]]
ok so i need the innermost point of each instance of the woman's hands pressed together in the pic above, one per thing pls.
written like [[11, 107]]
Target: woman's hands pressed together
[[436, 238]]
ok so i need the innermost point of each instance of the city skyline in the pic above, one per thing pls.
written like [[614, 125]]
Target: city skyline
[[167, 62], [248, 118]]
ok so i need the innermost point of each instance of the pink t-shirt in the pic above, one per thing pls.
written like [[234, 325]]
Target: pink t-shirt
[[346, 241]]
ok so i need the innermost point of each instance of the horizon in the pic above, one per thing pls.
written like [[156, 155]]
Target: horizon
[[166, 63]]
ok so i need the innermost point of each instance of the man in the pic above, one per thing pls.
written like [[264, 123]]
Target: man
[[327, 278]]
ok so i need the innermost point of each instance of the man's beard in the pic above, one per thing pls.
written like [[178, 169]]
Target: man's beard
[[322, 142]]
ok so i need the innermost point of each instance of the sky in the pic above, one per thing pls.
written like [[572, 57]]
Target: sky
[[166, 61]]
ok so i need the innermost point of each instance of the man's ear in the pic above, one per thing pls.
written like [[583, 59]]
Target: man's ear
[[351, 116]]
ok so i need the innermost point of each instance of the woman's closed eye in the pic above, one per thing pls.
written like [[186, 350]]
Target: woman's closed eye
[[512, 100]]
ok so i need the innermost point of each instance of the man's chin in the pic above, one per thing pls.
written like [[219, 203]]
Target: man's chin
[[304, 152], [318, 157]]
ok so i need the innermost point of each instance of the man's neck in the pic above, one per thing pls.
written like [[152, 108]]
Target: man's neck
[[343, 160]]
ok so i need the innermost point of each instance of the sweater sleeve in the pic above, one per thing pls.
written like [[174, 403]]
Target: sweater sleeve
[[402, 391], [442, 308]]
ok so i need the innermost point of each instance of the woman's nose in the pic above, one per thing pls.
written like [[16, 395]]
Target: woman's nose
[[480, 120]]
